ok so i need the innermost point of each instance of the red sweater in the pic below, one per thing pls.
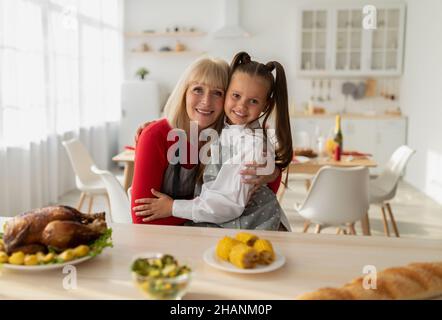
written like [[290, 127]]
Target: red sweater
[[151, 164]]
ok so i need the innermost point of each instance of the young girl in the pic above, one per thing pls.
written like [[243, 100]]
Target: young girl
[[224, 201]]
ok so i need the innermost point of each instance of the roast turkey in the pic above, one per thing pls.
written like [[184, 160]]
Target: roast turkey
[[60, 227]]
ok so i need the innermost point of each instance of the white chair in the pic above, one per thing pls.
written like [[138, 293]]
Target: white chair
[[383, 188], [89, 183], [337, 197], [119, 202]]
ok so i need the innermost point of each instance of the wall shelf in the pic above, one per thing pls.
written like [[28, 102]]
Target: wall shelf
[[164, 34], [168, 53]]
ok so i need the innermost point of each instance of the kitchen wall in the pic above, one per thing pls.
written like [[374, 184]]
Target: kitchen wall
[[273, 26], [421, 91]]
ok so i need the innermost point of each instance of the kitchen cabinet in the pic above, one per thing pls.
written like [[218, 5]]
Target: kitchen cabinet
[[379, 136], [333, 42]]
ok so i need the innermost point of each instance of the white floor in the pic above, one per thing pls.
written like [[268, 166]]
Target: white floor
[[416, 214]]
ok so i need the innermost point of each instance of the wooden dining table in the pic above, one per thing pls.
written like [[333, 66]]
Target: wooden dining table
[[312, 261], [312, 166], [127, 157]]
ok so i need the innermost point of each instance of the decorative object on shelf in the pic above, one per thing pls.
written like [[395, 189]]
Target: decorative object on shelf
[[348, 88], [370, 88], [144, 47], [165, 49], [179, 47], [359, 91], [142, 73]]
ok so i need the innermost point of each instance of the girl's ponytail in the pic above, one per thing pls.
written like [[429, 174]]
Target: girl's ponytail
[[279, 99]]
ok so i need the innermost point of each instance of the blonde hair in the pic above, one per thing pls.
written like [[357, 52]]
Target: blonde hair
[[208, 71]]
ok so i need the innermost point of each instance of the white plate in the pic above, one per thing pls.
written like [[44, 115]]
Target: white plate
[[211, 259], [43, 267], [302, 159]]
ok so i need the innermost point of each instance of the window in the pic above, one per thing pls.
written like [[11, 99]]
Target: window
[[60, 65]]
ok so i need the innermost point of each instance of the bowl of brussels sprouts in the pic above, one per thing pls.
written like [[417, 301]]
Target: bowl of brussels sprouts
[[160, 277]]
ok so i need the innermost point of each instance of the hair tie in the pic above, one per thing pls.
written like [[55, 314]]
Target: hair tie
[[270, 66]]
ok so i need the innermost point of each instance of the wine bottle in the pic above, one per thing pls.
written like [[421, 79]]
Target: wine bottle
[[338, 138]]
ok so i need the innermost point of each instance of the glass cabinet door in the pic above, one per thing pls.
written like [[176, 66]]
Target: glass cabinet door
[[314, 40], [348, 41], [385, 38]]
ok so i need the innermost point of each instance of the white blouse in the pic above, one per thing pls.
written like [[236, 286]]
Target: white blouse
[[225, 198]]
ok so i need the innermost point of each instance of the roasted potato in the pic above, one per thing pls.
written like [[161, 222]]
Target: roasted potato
[[31, 260], [40, 256], [48, 257], [81, 251], [67, 255], [17, 258], [3, 257]]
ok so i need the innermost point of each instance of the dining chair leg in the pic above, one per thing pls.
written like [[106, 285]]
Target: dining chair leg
[[384, 219], [80, 202], [307, 184], [306, 226], [91, 200], [393, 222], [351, 229], [318, 228], [365, 225]]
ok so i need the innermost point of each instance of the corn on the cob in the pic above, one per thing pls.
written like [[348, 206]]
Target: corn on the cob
[[246, 238], [265, 251], [243, 256], [224, 247]]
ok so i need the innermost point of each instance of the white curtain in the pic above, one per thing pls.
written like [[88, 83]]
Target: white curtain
[[60, 74]]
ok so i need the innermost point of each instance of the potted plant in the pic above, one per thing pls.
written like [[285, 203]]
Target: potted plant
[[142, 72]]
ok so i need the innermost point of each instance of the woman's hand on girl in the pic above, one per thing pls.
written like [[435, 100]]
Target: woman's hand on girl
[[140, 129], [249, 175], [154, 208]]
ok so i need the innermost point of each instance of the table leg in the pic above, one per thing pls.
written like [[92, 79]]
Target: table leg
[[128, 175], [365, 225]]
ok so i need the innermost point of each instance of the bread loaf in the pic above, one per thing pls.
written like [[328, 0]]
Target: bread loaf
[[414, 281]]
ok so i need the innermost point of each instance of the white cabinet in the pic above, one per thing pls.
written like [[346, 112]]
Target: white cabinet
[[359, 134], [333, 42], [390, 134], [314, 40], [377, 136]]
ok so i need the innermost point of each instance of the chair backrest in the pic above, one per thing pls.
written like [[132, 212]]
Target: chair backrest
[[120, 206], [390, 175], [129, 194], [337, 196], [81, 161]]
